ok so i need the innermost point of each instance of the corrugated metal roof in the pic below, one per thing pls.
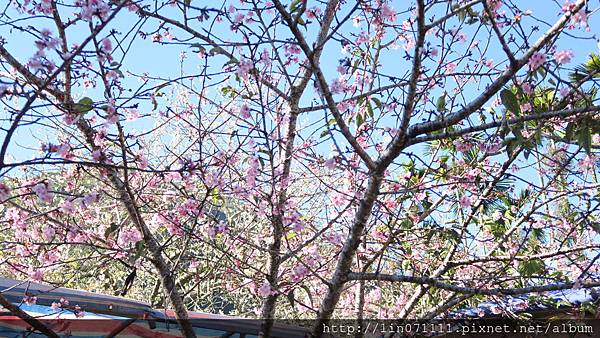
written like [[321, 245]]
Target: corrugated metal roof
[[104, 313], [531, 303]]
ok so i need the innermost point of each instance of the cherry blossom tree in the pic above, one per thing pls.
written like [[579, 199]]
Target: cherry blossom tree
[[304, 159]]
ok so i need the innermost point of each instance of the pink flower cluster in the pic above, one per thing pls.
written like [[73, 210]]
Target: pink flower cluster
[[580, 18], [4, 192], [128, 236], [298, 273], [62, 303], [536, 60], [63, 150], [563, 56], [91, 8], [43, 192], [252, 172], [265, 290], [244, 68], [245, 111], [30, 300]]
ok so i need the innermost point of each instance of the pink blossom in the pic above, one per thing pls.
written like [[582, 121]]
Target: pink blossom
[[265, 290], [100, 137], [244, 68], [588, 163], [291, 49], [46, 7], [30, 300], [299, 272], [526, 107], [409, 43], [64, 150], [522, 305], [388, 13], [48, 232], [491, 146], [330, 163], [462, 146], [252, 172], [339, 199], [106, 46], [4, 90], [96, 155], [527, 88], [91, 8], [313, 12], [67, 207], [141, 160], [356, 21], [4, 192], [581, 17], [496, 310], [459, 36], [35, 63], [338, 85], [35, 274], [132, 114], [42, 192], [57, 306], [167, 35], [465, 201], [90, 198], [536, 60], [128, 236], [450, 67], [265, 58], [563, 56], [239, 17], [78, 312], [245, 111]]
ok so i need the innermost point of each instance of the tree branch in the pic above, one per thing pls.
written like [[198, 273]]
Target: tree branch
[[440, 284]]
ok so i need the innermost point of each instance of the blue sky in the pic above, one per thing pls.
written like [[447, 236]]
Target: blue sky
[[164, 60]]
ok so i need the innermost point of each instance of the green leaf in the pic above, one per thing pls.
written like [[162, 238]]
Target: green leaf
[[532, 267], [161, 86], [84, 105], [112, 228], [369, 109], [359, 120], [509, 100], [569, 131], [441, 103], [377, 102], [355, 66], [294, 5], [511, 145], [584, 139], [324, 133]]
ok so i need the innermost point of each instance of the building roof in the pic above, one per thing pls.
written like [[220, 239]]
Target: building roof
[[546, 302], [104, 314]]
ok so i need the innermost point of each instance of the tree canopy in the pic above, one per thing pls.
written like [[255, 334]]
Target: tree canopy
[[301, 159]]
